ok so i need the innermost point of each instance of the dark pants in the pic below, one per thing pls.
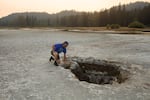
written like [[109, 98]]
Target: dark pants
[[57, 55]]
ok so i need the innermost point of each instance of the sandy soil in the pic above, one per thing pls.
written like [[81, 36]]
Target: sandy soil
[[26, 74]]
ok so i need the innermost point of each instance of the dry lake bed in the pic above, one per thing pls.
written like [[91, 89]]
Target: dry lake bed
[[26, 73]]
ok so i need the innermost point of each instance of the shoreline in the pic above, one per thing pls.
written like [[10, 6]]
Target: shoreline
[[101, 30]]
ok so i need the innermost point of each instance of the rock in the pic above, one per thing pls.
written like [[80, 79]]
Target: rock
[[99, 62], [84, 77], [66, 64], [76, 69], [89, 60], [74, 65], [107, 80], [124, 75]]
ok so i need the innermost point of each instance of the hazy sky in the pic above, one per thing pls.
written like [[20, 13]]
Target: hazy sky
[[53, 6]]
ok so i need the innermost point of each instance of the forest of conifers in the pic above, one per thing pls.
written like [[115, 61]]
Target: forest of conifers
[[115, 15]]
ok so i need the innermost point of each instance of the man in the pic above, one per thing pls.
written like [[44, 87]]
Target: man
[[56, 50]]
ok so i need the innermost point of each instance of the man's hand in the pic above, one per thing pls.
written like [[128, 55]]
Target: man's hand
[[65, 58]]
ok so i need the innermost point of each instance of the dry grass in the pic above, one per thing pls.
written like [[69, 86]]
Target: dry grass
[[121, 30], [102, 28]]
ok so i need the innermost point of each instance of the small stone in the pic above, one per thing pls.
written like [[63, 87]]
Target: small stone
[[89, 60], [74, 65]]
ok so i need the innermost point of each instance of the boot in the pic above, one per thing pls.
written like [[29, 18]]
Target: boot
[[56, 64], [51, 58]]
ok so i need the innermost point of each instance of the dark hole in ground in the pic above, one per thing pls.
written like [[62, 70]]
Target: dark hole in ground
[[104, 73]]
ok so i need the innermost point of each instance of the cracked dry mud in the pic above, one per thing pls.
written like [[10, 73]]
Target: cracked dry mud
[[26, 74]]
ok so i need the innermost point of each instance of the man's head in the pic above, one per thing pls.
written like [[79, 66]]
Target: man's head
[[65, 44]]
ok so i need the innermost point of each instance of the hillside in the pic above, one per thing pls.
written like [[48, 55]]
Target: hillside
[[136, 5], [71, 17]]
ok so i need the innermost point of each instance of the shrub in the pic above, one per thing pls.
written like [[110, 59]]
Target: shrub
[[115, 26], [108, 26], [136, 24]]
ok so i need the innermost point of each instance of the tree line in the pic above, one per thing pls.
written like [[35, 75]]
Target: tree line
[[115, 15]]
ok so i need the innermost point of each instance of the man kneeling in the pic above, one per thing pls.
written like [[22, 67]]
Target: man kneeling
[[56, 50]]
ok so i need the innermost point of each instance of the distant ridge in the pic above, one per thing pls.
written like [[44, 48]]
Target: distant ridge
[[40, 15], [45, 15], [137, 5], [61, 18]]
